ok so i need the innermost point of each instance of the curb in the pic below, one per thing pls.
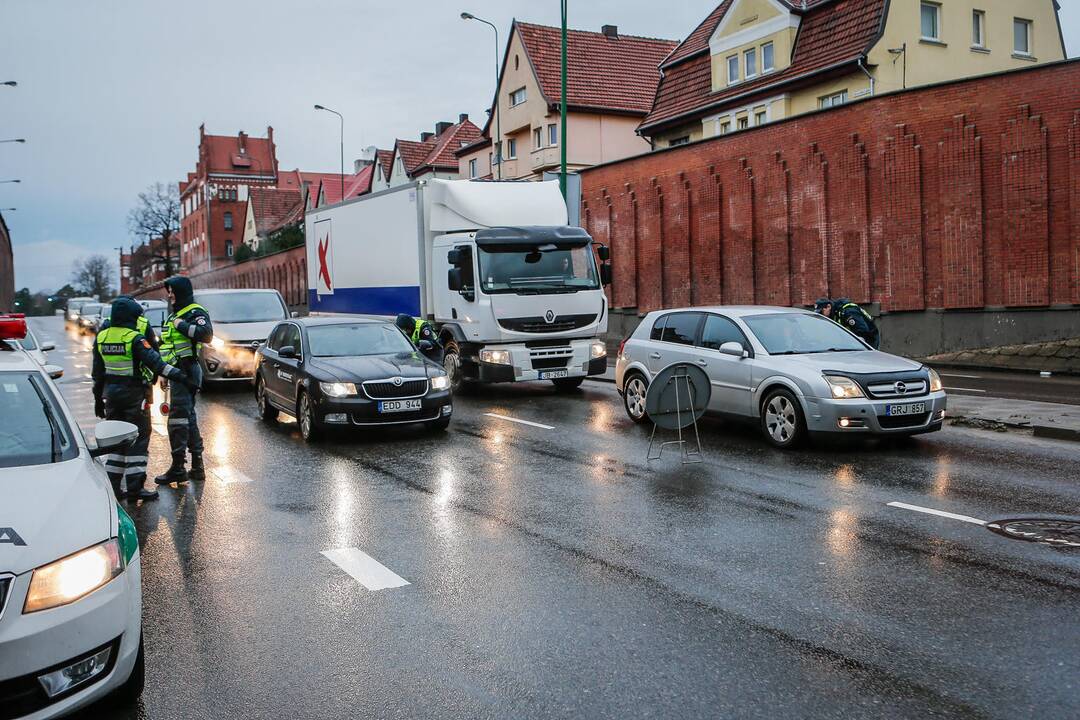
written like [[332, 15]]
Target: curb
[[956, 365], [1057, 432]]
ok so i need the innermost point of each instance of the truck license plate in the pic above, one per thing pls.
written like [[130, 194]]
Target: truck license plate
[[393, 406], [552, 374], [909, 409]]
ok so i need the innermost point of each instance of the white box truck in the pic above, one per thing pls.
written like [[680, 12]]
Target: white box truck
[[515, 293]]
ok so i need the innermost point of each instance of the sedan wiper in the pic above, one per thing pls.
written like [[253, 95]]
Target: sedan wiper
[[54, 426]]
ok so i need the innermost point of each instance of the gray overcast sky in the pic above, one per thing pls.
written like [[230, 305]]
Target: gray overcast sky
[[111, 92]]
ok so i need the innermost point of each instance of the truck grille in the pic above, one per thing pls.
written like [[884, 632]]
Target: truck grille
[[388, 390], [561, 323]]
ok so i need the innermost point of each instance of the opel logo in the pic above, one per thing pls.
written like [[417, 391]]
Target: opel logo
[[397, 381], [900, 387], [549, 317], [255, 344]]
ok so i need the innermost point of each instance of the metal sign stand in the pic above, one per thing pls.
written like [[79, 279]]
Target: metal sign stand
[[689, 455]]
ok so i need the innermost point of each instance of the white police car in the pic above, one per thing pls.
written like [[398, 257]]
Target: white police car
[[70, 583]]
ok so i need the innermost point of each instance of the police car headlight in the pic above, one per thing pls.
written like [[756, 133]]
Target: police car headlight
[[217, 343], [935, 381], [495, 357], [73, 577], [440, 382], [337, 389], [843, 388]]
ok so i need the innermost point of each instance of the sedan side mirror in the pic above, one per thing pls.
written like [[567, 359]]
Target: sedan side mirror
[[112, 435], [54, 371], [48, 347], [288, 352], [733, 348]]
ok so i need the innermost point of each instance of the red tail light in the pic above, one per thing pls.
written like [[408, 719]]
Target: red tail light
[[622, 345], [12, 327]]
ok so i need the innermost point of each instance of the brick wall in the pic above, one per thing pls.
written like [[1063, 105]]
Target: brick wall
[[958, 196]]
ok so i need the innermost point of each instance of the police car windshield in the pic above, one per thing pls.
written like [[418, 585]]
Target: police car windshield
[[533, 271], [32, 428], [800, 334], [354, 340], [242, 307]]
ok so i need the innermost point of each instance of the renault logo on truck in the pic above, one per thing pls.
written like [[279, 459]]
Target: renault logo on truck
[[549, 317]]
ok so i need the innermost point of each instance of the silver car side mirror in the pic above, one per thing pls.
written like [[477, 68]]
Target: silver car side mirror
[[734, 348]]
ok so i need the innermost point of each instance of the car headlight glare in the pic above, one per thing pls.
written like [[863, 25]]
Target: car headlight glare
[[73, 577], [440, 382], [598, 350], [843, 388], [217, 343], [495, 357], [337, 389], [935, 381]]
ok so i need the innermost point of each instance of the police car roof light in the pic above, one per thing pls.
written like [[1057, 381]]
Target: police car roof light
[[13, 326]]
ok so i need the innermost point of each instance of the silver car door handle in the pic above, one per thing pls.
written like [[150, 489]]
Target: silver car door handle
[[655, 356], [702, 363]]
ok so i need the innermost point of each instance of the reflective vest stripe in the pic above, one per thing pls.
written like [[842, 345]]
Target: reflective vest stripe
[[174, 344], [120, 364]]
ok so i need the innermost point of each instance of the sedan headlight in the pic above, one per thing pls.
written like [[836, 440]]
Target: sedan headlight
[[440, 382], [496, 357], [217, 343], [337, 389], [598, 350], [843, 388], [73, 577], [935, 381]]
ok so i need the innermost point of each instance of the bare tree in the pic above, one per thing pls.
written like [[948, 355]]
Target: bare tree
[[157, 215], [94, 276]]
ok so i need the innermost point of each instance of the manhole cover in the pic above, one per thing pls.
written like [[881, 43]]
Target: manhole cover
[[1060, 533]]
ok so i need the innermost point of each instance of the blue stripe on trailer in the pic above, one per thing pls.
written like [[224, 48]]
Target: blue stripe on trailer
[[368, 300]]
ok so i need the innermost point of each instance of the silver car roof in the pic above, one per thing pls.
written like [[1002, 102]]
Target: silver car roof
[[736, 310]]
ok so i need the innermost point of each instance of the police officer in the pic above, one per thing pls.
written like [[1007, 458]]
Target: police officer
[[142, 326], [851, 316], [124, 366], [186, 330], [417, 329]]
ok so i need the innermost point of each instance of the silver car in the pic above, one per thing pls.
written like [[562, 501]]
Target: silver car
[[242, 321], [791, 371]]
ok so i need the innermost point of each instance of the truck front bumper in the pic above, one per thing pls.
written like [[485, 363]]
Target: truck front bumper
[[540, 360]]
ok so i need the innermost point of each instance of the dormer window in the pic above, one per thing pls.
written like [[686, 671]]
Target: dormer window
[[733, 69], [750, 62], [767, 58]]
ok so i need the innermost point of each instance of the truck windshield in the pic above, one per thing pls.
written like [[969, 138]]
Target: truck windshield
[[535, 271], [242, 307]]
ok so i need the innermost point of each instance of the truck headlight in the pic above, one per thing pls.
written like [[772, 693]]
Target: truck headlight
[[843, 388], [337, 389], [440, 382], [217, 343], [495, 357], [935, 381], [598, 350], [73, 577]]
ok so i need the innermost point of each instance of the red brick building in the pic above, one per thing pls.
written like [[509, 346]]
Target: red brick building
[[213, 199], [145, 264]]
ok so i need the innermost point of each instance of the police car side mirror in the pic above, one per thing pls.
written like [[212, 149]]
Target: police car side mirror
[[54, 371], [288, 352], [48, 347], [111, 435]]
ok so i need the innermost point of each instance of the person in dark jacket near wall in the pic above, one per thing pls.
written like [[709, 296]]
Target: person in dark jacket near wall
[[856, 320], [184, 333]]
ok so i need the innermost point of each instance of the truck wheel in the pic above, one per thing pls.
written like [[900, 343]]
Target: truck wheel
[[567, 384], [452, 365]]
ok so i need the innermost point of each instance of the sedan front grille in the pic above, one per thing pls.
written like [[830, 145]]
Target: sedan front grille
[[897, 388], [560, 323], [389, 390]]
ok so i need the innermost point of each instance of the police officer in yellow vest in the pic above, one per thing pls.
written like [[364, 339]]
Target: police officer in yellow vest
[[186, 330], [125, 364], [417, 329]]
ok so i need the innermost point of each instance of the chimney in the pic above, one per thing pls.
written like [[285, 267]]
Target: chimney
[[441, 127], [425, 136], [202, 132], [367, 157], [463, 117], [242, 137], [270, 134], [610, 31]]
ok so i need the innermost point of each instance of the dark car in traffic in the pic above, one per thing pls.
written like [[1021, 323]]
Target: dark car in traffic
[[348, 372]]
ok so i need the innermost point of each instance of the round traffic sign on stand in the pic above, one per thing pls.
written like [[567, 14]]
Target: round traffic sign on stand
[[676, 398]]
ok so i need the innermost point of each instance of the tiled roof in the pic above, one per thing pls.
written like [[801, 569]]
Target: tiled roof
[[355, 185], [223, 155], [412, 153], [482, 142], [831, 33], [618, 74], [438, 152], [274, 208], [386, 161]]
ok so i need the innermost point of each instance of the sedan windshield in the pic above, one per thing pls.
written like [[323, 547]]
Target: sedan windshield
[[241, 307], [800, 333], [32, 428], [534, 271], [359, 339], [90, 309]]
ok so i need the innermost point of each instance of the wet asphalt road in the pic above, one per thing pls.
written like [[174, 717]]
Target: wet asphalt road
[[1012, 385], [554, 573]]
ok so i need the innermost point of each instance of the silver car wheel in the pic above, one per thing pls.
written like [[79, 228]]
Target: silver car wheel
[[780, 419], [635, 397]]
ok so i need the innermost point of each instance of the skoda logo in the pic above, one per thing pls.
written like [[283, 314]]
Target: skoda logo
[[397, 381], [900, 387], [549, 317]]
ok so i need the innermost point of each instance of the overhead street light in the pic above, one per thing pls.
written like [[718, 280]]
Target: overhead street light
[[342, 135], [9, 181], [18, 140], [10, 83], [8, 209], [498, 115]]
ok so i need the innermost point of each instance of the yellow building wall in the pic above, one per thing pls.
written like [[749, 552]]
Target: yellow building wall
[[807, 99]]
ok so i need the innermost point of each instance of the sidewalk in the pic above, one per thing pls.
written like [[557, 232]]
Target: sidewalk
[[1050, 420]]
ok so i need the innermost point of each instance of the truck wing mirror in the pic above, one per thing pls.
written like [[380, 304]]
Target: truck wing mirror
[[454, 257], [453, 279], [603, 252], [605, 274]]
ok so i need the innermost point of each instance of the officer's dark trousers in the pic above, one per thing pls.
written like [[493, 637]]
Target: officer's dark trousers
[[184, 433], [127, 469]]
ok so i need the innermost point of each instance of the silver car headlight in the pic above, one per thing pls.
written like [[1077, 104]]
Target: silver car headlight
[[935, 381], [843, 388]]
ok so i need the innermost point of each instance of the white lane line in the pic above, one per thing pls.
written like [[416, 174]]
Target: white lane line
[[229, 475], [974, 390], [969, 377], [523, 422], [365, 569], [940, 513]]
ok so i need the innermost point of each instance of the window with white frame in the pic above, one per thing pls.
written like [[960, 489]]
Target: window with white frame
[[725, 127], [685, 139], [733, 69], [511, 148], [743, 123], [517, 97], [472, 168], [978, 28], [767, 58], [750, 62], [1021, 36], [538, 138], [761, 117], [931, 21], [833, 100], [553, 134]]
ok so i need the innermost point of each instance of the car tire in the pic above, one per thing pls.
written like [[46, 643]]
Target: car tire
[[128, 693], [452, 366], [440, 424], [310, 429], [567, 384], [634, 391], [782, 421], [267, 412]]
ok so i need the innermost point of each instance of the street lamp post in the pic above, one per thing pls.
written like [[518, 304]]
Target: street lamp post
[[9, 181], [10, 83], [342, 136], [18, 140], [498, 115], [8, 209], [562, 109]]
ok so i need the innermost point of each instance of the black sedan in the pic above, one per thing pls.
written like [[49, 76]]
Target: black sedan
[[341, 372]]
